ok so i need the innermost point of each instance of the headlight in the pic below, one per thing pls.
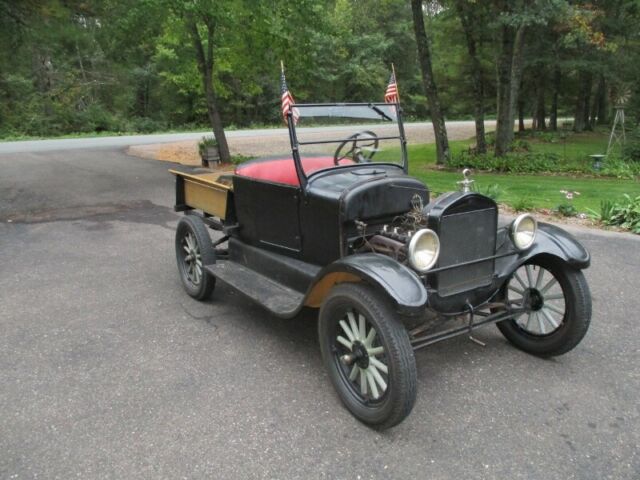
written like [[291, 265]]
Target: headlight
[[523, 231], [424, 249]]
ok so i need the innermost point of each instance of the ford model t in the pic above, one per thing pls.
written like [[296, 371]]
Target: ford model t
[[339, 225]]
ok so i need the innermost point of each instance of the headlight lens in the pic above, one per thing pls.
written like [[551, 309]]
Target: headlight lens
[[523, 231], [424, 249]]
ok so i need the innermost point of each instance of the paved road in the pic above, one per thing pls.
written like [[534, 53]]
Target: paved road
[[109, 370], [128, 140]]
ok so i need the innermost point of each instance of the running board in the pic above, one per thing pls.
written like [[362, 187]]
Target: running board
[[275, 297]]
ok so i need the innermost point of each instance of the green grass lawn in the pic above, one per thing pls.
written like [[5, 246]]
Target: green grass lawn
[[540, 191]]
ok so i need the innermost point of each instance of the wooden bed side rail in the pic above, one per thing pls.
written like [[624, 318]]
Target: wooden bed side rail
[[202, 191]]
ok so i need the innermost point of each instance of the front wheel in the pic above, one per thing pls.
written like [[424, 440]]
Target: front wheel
[[557, 305], [368, 355]]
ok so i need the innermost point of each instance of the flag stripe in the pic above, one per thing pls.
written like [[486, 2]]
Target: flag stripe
[[391, 94], [287, 101]]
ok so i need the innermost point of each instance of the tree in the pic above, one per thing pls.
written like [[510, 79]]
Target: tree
[[202, 19], [424, 59], [469, 19], [509, 70]]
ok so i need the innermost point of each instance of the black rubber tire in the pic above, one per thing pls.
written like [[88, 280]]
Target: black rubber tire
[[195, 225], [576, 319], [399, 398]]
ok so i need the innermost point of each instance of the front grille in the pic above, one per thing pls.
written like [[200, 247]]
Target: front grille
[[465, 237]]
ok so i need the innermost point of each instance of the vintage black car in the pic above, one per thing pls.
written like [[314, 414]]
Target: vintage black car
[[337, 224]]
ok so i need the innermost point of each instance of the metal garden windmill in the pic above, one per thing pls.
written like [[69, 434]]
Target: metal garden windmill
[[617, 131]]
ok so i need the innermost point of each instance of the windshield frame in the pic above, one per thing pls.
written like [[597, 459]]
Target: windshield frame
[[295, 143]]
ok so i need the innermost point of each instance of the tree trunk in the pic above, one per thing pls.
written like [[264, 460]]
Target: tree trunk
[[587, 102], [553, 115], [424, 58], [521, 126], [477, 74], [205, 66], [509, 76], [503, 68], [581, 115], [541, 114], [600, 102]]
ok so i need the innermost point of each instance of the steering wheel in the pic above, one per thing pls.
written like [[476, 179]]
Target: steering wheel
[[365, 140]]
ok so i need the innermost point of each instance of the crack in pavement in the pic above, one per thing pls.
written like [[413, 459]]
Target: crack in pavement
[[207, 318]]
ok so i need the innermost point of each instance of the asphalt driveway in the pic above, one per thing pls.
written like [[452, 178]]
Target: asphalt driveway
[[109, 370]]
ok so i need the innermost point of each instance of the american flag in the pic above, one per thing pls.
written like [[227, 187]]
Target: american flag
[[287, 101], [391, 95]]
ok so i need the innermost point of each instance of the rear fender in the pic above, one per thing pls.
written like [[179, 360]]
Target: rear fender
[[402, 285]]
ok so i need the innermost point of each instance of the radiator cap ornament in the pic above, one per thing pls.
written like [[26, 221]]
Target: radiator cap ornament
[[466, 185], [417, 203]]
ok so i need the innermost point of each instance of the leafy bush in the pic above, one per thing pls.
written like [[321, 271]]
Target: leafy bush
[[606, 210], [545, 137], [145, 125], [238, 159], [522, 204], [519, 145], [543, 162], [531, 162], [96, 118], [626, 214], [617, 167], [492, 191], [205, 143], [567, 210], [631, 149]]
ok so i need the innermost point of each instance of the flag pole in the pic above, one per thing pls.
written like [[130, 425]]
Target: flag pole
[[393, 69], [281, 66]]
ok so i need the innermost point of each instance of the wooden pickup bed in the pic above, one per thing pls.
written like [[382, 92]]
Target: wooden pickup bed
[[208, 192]]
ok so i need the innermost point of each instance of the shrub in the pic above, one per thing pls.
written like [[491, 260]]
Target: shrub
[[606, 210], [492, 191], [531, 162], [238, 159], [545, 137], [617, 167], [522, 204], [567, 210], [96, 118], [205, 143], [631, 149], [626, 214], [519, 145], [146, 125]]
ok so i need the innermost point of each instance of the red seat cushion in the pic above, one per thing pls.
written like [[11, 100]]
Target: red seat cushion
[[282, 170]]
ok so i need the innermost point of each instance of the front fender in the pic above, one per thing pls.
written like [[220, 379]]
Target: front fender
[[400, 283], [550, 240]]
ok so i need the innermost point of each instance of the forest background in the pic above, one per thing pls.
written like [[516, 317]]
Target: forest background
[[91, 66]]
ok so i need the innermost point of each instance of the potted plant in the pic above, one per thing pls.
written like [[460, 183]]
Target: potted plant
[[209, 152]]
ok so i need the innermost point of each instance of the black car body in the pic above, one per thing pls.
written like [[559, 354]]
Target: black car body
[[378, 254]]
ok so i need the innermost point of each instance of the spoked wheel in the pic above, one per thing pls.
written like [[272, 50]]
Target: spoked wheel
[[367, 353], [557, 307], [193, 251]]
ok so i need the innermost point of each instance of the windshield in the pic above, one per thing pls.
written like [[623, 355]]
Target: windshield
[[347, 134]]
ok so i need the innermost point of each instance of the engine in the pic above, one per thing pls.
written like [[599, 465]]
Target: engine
[[393, 239]]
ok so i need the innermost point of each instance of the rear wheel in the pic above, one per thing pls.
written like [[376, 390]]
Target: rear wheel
[[558, 307], [368, 355], [194, 250]]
